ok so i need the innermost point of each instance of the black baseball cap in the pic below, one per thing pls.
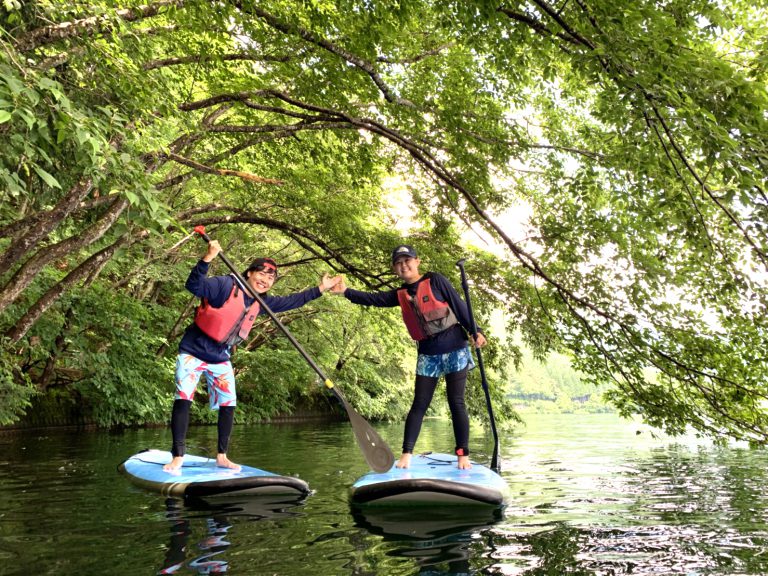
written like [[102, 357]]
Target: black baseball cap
[[403, 250]]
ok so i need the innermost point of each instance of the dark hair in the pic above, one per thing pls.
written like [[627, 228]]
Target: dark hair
[[261, 264]]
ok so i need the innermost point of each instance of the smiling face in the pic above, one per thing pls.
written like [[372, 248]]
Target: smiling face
[[261, 280], [407, 269]]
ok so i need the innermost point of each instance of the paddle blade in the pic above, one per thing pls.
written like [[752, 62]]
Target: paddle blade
[[375, 450]]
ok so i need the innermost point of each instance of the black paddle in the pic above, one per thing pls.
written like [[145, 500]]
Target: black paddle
[[377, 453], [473, 326]]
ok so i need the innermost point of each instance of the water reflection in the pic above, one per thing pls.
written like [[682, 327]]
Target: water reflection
[[708, 505], [439, 541], [674, 509], [589, 497], [208, 554], [651, 550], [706, 482]]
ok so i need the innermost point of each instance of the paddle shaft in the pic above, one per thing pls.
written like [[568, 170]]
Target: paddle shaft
[[369, 441], [473, 327]]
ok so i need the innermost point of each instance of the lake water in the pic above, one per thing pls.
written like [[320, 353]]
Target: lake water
[[590, 496]]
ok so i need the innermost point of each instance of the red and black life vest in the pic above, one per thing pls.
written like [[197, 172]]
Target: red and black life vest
[[424, 315], [229, 324]]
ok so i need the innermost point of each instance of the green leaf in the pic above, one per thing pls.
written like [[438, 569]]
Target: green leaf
[[53, 87], [133, 198], [46, 177]]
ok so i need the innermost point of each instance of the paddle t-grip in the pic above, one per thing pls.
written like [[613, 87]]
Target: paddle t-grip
[[201, 230]]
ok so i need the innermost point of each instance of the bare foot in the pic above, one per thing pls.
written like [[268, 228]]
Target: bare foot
[[464, 463], [223, 462], [405, 460], [174, 464]]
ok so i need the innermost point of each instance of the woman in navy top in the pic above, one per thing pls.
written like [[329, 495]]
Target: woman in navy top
[[438, 319]]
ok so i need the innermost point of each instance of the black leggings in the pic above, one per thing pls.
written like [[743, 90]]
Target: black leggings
[[455, 384], [180, 423]]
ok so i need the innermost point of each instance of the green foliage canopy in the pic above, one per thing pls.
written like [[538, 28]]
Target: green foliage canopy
[[635, 135]]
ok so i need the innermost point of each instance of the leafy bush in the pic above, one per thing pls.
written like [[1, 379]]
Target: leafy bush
[[16, 390]]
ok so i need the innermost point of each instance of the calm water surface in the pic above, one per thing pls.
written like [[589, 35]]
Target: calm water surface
[[591, 496]]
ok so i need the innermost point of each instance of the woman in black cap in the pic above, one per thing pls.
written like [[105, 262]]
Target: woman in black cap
[[223, 320], [438, 319]]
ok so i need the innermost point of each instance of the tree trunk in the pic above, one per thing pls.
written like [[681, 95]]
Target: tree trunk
[[24, 276], [59, 346], [87, 270], [37, 226]]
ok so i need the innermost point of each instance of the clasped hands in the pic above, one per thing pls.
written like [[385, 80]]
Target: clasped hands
[[330, 282]]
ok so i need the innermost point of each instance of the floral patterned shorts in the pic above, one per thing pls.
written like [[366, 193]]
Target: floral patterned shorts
[[219, 377], [441, 364]]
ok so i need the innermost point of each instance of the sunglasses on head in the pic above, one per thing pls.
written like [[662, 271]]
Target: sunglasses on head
[[266, 269]]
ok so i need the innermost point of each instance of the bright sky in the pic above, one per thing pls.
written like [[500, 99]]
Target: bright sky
[[513, 221]]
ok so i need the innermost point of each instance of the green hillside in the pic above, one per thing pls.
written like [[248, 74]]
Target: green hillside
[[553, 386]]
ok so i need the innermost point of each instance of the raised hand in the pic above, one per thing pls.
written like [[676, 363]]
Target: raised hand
[[213, 250]]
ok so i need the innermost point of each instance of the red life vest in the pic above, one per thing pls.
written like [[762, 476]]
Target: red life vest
[[425, 315], [229, 324]]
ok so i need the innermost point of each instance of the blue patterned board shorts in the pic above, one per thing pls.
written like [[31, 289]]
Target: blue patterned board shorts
[[219, 377], [441, 364]]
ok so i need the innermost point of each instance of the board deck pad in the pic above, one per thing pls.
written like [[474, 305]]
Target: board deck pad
[[432, 478], [200, 477]]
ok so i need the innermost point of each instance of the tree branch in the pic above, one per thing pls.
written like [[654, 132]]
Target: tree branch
[[88, 26], [240, 57], [221, 171], [367, 67], [537, 26], [24, 276]]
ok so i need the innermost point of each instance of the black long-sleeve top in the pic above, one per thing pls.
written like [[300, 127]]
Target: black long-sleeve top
[[454, 338]]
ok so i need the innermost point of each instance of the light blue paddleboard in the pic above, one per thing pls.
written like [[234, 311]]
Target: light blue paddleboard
[[432, 478], [200, 477]]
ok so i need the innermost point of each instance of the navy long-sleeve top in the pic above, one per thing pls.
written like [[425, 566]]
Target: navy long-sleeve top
[[216, 290], [454, 338]]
